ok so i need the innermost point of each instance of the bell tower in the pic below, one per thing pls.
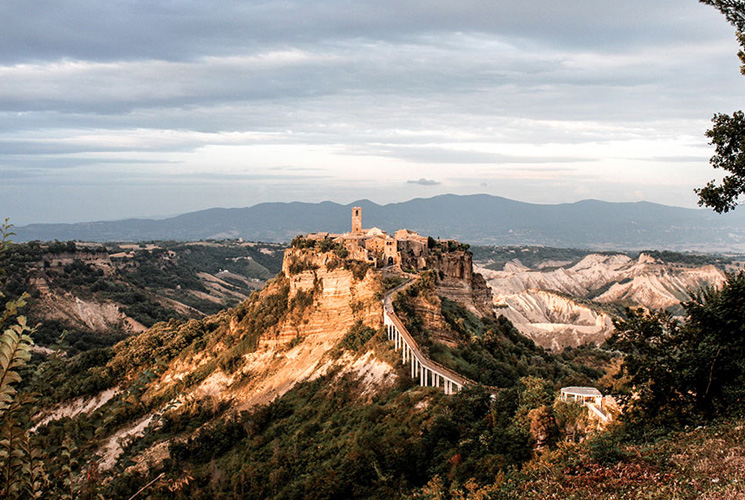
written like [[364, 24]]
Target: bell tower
[[356, 220]]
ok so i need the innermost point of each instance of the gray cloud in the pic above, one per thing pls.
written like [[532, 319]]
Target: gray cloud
[[29, 166], [424, 182], [477, 74], [90, 30], [428, 154], [91, 145], [121, 91], [681, 159]]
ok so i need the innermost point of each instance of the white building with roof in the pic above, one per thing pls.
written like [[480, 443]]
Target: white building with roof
[[581, 395], [590, 397]]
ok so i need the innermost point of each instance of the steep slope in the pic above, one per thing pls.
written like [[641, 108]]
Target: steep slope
[[296, 393], [658, 285], [555, 321], [553, 307], [97, 295], [457, 281], [281, 336], [662, 288]]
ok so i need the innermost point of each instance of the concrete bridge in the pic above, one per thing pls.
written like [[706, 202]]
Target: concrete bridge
[[423, 369]]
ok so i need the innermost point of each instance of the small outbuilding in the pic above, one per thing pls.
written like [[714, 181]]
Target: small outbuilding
[[582, 395]]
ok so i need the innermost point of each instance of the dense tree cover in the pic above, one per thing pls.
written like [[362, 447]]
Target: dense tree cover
[[306, 259], [728, 137], [445, 246], [728, 132], [490, 350], [733, 10], [323, 245], [681, 431], [322, 441], [22, 473], [356, 338], [685, 371]]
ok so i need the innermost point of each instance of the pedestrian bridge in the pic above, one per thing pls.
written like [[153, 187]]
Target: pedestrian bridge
[[427, 372]]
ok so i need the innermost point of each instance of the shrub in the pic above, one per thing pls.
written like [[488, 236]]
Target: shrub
[[299, 265], [358, 269], [357, 337], [605, 449]]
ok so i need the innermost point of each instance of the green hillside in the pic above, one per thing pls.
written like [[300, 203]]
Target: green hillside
[[146, 282]]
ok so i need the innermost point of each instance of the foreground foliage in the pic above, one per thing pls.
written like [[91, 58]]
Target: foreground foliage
[[683, 372], [728, 132], [703, 463], [22, 473], [321, 440]]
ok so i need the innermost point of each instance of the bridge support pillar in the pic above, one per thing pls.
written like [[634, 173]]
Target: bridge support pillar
[[427, 377]]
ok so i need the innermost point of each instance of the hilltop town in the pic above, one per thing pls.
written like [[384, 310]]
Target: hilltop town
[[405, 248]]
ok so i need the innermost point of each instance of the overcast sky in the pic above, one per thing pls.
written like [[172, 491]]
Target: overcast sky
[[151, 108]]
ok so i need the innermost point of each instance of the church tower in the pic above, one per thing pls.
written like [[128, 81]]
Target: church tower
[[356, 220]]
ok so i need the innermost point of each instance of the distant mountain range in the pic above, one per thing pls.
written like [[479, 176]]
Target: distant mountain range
[[477, 219]]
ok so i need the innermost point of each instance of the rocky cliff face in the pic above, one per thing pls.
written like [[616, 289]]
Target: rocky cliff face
[[450, 276], [607, 279], [341, 296], [457, 281], [309, 308]]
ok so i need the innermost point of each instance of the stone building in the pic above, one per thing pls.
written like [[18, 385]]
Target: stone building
[[406, 248], [449, 260], [357, 220]]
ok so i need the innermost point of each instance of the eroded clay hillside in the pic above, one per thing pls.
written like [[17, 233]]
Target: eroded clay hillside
[[555, 321], [98, 294], [287, 333], [560, 304]]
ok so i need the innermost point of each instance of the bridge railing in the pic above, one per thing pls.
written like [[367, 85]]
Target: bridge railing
[[427, 371]]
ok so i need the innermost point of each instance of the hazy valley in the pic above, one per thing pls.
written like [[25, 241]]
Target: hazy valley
[[475, 219]]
